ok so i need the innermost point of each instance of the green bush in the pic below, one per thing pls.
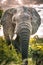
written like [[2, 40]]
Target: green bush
[[1, 11], [36, 50], [8, 54]]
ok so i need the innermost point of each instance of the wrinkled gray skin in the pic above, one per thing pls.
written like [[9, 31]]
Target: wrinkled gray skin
[[23, 21], [8, 26]]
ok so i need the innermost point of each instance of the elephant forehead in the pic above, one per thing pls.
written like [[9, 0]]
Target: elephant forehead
[[11, 11], [22, 17], [23, 9]]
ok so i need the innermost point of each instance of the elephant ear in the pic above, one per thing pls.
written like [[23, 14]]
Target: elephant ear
[[12, 11], [7, 13], [36, 20]]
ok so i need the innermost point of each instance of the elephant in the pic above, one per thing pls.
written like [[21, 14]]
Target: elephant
[[23, 21]]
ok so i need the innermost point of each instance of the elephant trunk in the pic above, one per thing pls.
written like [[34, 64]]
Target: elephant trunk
[[24, 35]]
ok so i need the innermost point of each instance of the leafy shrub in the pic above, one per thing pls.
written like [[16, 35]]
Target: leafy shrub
[[8, 54], [36, 50], [1, 11]]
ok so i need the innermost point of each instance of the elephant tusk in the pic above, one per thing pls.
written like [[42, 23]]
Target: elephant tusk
[[15, 36]]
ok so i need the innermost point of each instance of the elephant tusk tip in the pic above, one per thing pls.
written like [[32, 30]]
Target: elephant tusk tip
[[15, 36]]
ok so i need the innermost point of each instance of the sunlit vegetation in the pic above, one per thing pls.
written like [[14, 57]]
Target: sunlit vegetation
[[7, 54], [36, 50], [1, 11], [36, 43]]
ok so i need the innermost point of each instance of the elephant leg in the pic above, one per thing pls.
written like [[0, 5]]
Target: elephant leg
[[6, 35], [16, 44]]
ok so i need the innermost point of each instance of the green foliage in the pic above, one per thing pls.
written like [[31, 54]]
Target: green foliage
[[8, 54], [36, 45], [39, 40], [1, 11]]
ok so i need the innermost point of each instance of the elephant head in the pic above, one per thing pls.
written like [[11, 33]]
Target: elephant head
[[27, 13], [22, 21], [27, 21]]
